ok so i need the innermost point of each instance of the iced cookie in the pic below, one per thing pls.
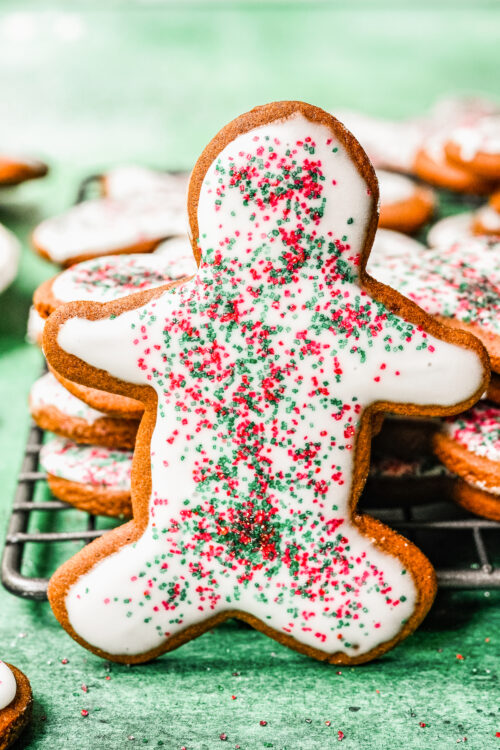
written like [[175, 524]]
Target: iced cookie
[[16, 704], [15, 169], [128, 180], [476, 147], [387, 242], [92, 478], [178, 247], [446, 232], [433, 166], [10, 251], [55, 409], [404, 206], [260, 378], [469, 445], [459, 285], [395, 481], [107, 226], [486, 220], [112, 277]]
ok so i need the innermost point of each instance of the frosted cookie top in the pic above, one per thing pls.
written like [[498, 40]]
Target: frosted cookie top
[[111, 277], [87, 464], [8, 685], [47, 391], [446, 232], [105, 225], [481, 137], [478, 430], [394, 188], [460, 282]]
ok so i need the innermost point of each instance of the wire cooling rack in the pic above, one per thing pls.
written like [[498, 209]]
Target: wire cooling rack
[[464, 549]]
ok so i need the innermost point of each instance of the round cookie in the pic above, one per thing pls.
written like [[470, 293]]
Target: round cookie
[[10, 251], [395, 481], [93, 479], [433, 166], [486, 220], [55, 409], [15, 169], [459, 285], [112, 277], [446, 232], [128, 180], [476, 147], [469, 445], [404, 206], [260, 377], [16, 704], [107, 226]]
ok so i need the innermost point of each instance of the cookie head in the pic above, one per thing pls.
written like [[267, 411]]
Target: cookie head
[[266, 370]]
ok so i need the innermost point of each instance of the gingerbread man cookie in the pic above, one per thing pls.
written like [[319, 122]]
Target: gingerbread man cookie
[[260, 378]]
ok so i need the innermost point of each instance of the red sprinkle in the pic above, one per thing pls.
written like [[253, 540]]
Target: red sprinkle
[[340, 735], [422, 724], [263, 723], [84, 712], [459, 656], [85, 688], [64, 661], [223, 736]]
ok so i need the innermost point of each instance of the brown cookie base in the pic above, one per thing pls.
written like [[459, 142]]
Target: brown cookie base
[[98, 501], [483, 164], [410, 215], [142, 247], [445, 174], [464, 463], [493, 392], [112, 404], [13, 172], [109, 432], [477, 501], [16, 716]]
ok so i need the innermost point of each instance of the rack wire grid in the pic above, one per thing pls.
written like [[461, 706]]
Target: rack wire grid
[[461, 546]]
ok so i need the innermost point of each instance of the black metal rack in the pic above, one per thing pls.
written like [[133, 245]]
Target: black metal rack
[[462, 547]]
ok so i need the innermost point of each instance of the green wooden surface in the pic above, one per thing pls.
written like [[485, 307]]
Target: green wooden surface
[[87, 87]]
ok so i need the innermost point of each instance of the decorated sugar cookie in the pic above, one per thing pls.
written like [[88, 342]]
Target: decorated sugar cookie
[[128, 180], [111, 277], [91, 478], [16, 704], [15, 168], [446, 232], [459, 284], [476, 147], [433, 165], [469, 445], [107, 226], [56, 409], [404, 206], [486, 221], [260, 378], [10, 251]]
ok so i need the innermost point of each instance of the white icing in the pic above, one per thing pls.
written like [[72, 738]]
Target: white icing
[[87, 464], [453, 229], [394, 188], [48, 391], [107, 225], [114, 276], [489, 218], [129, 180], [482, 137], [424, 371], [389, 242], [480, 485], [10, 251], [35, 326], [8, 685]]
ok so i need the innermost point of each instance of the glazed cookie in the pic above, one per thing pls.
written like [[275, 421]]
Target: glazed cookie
[[125, 181], [16, 704], [55, 409], [433, 166], [92, 478], [178, 247], [15, 169], [111, 277], [10, 251], [469, 445], [395, 481], [260, 378], [404, 206], [387, 242], [476, 147], [486, 220], [446, 232], [459, 285], [107, 226]]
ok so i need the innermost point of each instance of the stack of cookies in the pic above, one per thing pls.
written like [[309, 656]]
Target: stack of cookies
[[88, 462]]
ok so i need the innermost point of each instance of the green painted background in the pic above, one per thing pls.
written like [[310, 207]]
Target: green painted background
[[86, 85]]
